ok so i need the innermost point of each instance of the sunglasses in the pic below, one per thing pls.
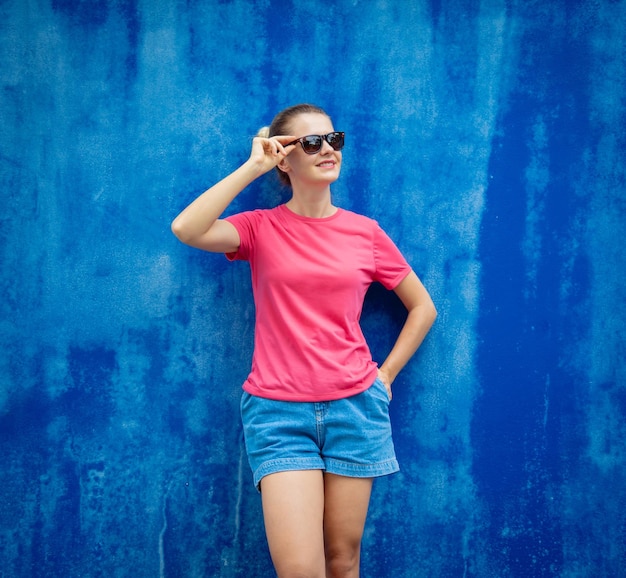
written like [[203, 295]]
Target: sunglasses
[[312, 143]]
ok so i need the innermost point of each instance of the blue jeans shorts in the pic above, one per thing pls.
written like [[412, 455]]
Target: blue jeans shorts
[[348, 437]]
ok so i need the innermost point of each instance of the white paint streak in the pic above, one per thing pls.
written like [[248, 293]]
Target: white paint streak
[[593, 498], [537, 179], [546, 403], [162, 572], [603, 355]]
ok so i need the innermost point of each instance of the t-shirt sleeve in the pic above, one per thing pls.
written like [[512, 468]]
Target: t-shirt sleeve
[[246, 224], [391, 266]]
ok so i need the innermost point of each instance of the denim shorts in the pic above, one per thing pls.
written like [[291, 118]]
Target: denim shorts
[[348, 437]]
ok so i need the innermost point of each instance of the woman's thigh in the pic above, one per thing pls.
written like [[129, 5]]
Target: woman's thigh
[[293, 511], [345, 511]]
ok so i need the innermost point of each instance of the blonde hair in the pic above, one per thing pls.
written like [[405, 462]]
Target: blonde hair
[[264, 132]]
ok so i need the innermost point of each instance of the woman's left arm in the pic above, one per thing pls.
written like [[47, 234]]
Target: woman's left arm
[[421, 315]]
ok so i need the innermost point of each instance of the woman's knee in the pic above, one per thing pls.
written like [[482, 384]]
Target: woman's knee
[[342, 567]]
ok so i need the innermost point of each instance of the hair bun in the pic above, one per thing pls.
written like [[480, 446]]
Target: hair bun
[[264, 132]]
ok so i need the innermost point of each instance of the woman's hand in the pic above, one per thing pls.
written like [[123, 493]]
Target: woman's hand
[[268, 152], [386, 382]]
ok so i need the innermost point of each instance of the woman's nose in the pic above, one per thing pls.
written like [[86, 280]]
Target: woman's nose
[[326, 148]]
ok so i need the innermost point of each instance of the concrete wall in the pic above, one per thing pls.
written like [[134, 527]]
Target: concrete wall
[[487, 137]]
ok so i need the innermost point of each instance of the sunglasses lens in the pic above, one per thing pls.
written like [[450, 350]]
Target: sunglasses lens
[[335, 140], [311, 144]]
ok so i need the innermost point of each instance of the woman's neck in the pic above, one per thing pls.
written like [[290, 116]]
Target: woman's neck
[[314, 204]]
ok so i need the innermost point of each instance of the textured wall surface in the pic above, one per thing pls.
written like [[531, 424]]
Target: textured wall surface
[[487, 137]]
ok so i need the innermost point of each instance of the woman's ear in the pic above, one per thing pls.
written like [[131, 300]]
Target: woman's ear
[[283, 165]]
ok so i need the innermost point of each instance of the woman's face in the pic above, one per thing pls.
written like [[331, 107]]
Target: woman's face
[[321, 167]]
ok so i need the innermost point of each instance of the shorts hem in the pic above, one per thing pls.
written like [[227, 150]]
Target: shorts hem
[[332, 466], [353, 470], [286, 465]]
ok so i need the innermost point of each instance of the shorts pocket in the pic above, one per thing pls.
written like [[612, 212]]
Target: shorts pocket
[[380, 388]]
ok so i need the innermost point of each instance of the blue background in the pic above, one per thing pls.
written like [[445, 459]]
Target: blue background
[[488, 140]]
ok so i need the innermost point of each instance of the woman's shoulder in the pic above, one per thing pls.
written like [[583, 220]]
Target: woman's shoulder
[[358, 218], [253, 214]]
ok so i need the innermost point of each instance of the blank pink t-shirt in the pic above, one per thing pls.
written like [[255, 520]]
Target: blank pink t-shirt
[[309, 279]]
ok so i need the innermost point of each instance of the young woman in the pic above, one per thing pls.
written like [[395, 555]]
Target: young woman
[[315, 404]]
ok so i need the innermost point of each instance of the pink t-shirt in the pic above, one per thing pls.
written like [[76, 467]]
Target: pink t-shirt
[[309, 279]]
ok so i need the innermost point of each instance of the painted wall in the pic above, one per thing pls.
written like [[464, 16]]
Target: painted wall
[[487, 137]]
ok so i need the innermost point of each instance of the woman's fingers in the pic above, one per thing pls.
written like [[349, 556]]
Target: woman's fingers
[[269, 151], [280, 143]]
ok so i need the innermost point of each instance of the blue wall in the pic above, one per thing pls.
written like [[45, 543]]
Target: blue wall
[[488, 140]]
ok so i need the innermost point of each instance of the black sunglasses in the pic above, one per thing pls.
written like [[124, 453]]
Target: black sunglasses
[[312, 143]]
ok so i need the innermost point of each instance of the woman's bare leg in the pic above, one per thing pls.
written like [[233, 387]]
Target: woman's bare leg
[[293, 510], [345, 510]]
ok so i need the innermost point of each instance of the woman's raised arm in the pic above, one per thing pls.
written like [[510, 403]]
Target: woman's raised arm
[[199, 225]]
